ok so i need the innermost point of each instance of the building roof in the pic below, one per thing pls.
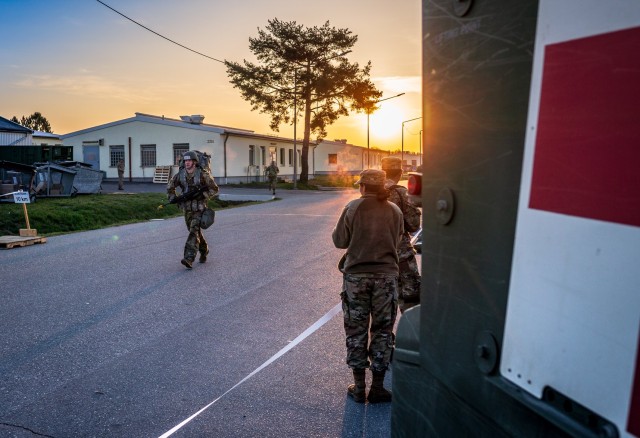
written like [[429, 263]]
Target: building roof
[[7, 125], [45, 134], [189, 122]]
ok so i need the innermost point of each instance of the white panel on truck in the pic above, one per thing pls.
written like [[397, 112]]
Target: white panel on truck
[[573, 316]]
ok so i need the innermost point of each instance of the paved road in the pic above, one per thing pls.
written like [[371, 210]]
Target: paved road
[[104, 333]]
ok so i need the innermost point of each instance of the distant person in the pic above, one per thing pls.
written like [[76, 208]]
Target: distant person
[[272, 174], [369, 229], [409, 279], [121, 174], [190, 177]]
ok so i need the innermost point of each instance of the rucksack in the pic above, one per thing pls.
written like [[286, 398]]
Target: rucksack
[[410, 213], [204, 160]]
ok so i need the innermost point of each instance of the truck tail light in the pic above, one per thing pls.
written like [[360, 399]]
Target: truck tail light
[[414, 185]]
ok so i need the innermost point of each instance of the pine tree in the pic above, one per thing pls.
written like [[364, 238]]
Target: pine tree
[[305, 65]]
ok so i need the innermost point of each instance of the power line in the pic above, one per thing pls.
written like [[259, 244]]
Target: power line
[[161, 36]]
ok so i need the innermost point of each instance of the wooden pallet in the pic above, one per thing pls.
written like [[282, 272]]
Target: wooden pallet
[[8, 242], [162, 174]]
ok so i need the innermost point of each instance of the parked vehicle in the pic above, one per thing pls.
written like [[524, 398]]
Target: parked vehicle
[[530, 316]]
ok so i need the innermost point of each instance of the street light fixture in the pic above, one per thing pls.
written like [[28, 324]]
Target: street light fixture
[[402, 153], [368, 114], [295, 115]]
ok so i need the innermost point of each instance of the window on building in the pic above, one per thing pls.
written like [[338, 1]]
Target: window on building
[[252, 155], [148, 155], [290, 157], [333, 158], [282, 156], [116, 153], [263, 155], [179, 150]]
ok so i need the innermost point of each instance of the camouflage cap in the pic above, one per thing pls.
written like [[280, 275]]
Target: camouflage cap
[[391, 163], [372, 176]]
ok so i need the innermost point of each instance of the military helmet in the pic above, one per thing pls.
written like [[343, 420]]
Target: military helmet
[[190, 155]]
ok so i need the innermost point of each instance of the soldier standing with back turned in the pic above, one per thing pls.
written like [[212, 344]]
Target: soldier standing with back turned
[[188, 178], [369, 229], [409, 279]]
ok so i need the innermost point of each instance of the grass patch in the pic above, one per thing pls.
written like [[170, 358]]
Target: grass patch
[[51, 216]]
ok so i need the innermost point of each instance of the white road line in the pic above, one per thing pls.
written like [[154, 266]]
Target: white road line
[[319, 323]]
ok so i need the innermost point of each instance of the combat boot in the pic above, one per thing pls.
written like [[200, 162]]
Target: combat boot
[[203, 256], [186, 263], [377, 393], [358, 389]]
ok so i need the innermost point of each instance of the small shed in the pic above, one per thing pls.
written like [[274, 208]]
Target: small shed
[[14, 177], [88, 179], [54, 180]]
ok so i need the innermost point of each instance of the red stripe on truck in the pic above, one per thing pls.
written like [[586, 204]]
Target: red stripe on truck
[[587, 154]]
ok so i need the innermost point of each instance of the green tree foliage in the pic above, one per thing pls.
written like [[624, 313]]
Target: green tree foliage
[[306, 65], [35, 121]]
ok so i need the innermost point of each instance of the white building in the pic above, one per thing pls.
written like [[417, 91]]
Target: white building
[[147, 143], [41, 138], [338, 156], [13, 134]]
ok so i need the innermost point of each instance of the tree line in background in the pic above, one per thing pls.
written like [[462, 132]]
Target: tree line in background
[[35, 121]]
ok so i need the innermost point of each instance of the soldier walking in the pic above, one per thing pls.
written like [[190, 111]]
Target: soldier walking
[[369, 229], [272, 174], [121, 174], [190, 177], [409, 279]]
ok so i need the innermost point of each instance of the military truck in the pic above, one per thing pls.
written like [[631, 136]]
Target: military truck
[[530, 317]]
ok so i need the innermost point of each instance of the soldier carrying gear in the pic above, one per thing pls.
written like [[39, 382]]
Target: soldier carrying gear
[[188, 178], [409, 279]]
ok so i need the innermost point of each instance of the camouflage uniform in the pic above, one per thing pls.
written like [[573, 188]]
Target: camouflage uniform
[[369, 298], [121, 174], [272, 173], [370, 230], [409, 279], [193, 209]]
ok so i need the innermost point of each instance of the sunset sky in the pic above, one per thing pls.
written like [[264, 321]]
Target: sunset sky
[[80, 64]]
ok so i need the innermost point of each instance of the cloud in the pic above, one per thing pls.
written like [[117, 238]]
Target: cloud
[[86, 85], [399, 84]]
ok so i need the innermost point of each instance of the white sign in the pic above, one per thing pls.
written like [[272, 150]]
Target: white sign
[[21, 198]]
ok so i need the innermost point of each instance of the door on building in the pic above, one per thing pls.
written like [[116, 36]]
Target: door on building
[[91, 155]]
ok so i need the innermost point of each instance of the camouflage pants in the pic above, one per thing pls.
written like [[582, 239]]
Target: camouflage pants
[[196, 241], [272, 183], [408, 284], [369, 304]]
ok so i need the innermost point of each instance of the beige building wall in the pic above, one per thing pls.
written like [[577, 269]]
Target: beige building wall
[[341, 157]]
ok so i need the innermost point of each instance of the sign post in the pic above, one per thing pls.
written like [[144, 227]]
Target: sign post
[[24, 199]]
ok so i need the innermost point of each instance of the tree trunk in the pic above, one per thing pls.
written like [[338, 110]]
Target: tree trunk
[[304, 171]]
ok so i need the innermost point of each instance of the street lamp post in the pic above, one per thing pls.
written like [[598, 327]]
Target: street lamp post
[[402, 153], [368, 114], [295, 125], [420, 147]]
